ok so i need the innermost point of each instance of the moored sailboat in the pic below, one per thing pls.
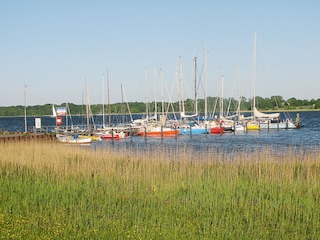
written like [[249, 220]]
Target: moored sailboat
[[252, 124], [267, 120], [273, 121], [158, 131], [73, 139], [67, 136], [217, 127], [113, 135], [189, 124]]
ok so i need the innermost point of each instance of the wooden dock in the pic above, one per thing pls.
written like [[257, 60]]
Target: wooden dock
[[4, 138]]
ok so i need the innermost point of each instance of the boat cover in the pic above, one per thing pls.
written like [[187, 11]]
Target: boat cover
[[258, 114]]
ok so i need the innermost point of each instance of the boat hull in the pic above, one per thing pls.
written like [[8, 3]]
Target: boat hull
[[111, 136], [94, 138], [280, 125], [167, 133], [73, 139], [253, 127], [217, 130], [187, 130]]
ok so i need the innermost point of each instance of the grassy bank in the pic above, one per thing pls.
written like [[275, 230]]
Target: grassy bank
[[52, 191]]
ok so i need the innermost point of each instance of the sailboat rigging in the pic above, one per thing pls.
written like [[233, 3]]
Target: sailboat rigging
[[267, 120]]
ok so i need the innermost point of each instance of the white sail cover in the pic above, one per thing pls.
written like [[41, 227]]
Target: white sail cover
[[258, 114], [183, 115], [54, 113]]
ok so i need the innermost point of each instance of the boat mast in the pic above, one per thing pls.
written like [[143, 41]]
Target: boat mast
[[240, 98], [122, 104], [155, 95], [25, 108], [103, 120], [67, 109], [109, 108], [221, 100], [67, 112], [162, 101], [254, 71], [147, 104], [206, 86], [180, 76], [195, 86], [87, 106]]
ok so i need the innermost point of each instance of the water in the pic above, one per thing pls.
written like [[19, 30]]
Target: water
[[307, 137]]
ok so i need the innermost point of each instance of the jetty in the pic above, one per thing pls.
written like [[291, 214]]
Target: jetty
[[12, 137]]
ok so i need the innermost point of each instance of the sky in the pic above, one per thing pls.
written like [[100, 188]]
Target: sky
[[68, 51]]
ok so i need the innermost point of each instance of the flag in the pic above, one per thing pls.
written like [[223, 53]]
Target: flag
[[61, 111]]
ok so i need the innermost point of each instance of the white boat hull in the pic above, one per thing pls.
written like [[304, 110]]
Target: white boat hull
[[73, 139], [280, 125]]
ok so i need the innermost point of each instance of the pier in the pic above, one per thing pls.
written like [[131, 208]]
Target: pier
[[19, 137]]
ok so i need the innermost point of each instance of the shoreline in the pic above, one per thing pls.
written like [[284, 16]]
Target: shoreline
[[120, 114]]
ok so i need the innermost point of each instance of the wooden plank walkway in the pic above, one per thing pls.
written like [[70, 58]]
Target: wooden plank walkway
[[4, 138]]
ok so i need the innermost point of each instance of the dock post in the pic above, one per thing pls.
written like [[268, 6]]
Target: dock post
[[161, 132], [206, 129]]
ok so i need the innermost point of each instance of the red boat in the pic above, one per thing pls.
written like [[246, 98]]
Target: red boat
[[113, 135], [217, 130]]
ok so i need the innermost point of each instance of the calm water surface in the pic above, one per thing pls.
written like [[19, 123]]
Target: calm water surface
[[307, 137]]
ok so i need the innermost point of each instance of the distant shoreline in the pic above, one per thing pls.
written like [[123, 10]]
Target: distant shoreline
[[288, 110], [115, 114]]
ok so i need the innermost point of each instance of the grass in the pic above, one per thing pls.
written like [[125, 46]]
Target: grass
[[53, 191]]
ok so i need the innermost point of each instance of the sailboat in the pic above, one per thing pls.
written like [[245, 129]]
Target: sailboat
[[273, 121], [223, 124], [190, 123], [91, 127], [112, 134], [70, 137], [108, 132], [232, 123], [253, 124], [268, 120], [151, 127]]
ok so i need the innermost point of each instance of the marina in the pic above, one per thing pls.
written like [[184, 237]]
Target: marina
[[306, 137]]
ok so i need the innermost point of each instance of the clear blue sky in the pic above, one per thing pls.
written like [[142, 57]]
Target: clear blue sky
[[53, 46]]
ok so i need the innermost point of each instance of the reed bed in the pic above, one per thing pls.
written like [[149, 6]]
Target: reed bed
[[54, 191]]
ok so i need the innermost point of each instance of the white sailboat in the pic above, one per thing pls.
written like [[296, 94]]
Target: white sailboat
[[268, 120], [273, 121], [70, 137], [253, 124], [108, 132], [188, 125], [73, 139]]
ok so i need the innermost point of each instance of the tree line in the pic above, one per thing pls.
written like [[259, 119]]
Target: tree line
[[214, 104]]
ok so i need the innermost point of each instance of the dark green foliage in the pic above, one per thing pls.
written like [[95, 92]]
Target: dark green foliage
[[273, 103]]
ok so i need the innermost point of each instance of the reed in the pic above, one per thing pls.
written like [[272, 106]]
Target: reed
[[49, 190]]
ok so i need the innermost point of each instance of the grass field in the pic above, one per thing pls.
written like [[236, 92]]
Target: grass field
[[54, 191]]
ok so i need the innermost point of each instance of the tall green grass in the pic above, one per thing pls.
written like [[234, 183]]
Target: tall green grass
[[52, 191]]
